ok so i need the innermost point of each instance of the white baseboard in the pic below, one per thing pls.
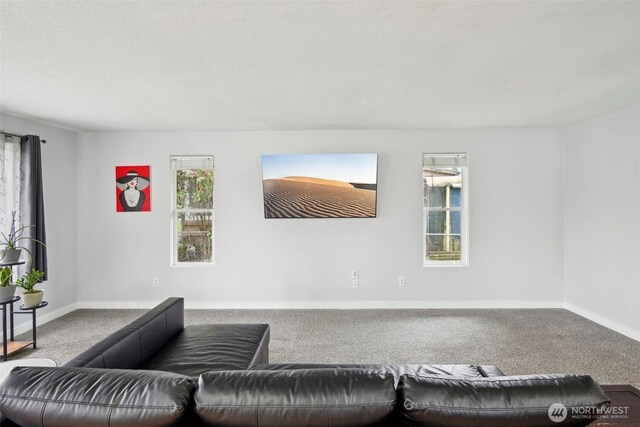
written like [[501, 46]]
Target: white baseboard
[[339, 305], [41, 319], [114, 305], [604, 321]]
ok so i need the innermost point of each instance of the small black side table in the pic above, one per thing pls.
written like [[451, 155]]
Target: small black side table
[[32, 311], [12, 346]]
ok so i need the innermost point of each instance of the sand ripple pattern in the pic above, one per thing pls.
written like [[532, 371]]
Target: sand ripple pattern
[[292, 199]]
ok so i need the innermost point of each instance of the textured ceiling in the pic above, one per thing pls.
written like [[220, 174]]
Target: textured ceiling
[[170, 65]]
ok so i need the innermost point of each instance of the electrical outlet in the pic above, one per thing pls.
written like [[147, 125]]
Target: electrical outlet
[[156, 282], [355, 274], [401, 282], [355, 283]]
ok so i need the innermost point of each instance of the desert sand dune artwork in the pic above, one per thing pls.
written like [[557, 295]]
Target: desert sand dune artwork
[[320, 186]]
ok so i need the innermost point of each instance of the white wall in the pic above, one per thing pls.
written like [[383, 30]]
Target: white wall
[[59, 180], [602, 219], [533, 243], [516, 224]]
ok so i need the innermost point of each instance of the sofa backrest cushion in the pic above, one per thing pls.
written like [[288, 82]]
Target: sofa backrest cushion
[[318, 397], [88, 397], [134, 344], [529, 400]]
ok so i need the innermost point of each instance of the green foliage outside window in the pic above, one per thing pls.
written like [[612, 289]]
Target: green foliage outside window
[[194, 196], [194, 189]]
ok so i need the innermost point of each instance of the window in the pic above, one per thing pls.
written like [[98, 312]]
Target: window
[[193, 210], [445, 209], [9, 181]]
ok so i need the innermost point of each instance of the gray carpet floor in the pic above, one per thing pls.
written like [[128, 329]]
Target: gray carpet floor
[[517, 341]]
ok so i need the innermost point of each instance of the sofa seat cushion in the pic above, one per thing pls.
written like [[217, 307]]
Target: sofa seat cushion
[[470, 371], [522, 401], [202, 348], [315, 397], [87, 397]]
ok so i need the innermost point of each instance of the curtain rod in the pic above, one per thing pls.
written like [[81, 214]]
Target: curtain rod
[[44, 141]]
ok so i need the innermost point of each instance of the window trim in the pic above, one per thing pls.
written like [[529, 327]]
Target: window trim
[[464, 212], [174, 263]]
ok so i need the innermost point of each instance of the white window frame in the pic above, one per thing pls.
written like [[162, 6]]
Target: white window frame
[[464, 212], [175, 211]]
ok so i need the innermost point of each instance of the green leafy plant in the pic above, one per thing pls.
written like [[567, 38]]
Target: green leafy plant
[[5, 277], [29, 280], [12, 240]]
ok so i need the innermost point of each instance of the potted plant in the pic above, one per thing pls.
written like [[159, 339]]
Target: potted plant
[[7, 289], [11, 242], [31, 297]]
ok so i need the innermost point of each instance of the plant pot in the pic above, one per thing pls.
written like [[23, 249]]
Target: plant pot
[[32, 300], [8, 256], [7, 292]]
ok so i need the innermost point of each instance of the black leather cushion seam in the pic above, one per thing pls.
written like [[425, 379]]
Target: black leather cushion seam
[[75, 402], [187, 396], [360, 405], [42, 413]]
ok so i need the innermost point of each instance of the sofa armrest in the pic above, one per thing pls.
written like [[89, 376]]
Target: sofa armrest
[[134, 344]]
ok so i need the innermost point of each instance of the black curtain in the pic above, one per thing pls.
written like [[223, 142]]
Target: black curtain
[[32, 200]]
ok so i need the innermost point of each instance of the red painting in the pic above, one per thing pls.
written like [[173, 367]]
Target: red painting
[[133, 189]]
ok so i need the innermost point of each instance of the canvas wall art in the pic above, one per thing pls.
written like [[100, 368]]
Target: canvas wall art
[[133, 189], [320, 185]]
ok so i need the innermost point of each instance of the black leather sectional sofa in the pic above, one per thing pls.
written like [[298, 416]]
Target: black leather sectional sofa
[[156, 372]]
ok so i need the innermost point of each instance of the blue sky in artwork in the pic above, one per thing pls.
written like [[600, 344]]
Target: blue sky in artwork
[[357, 168]]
